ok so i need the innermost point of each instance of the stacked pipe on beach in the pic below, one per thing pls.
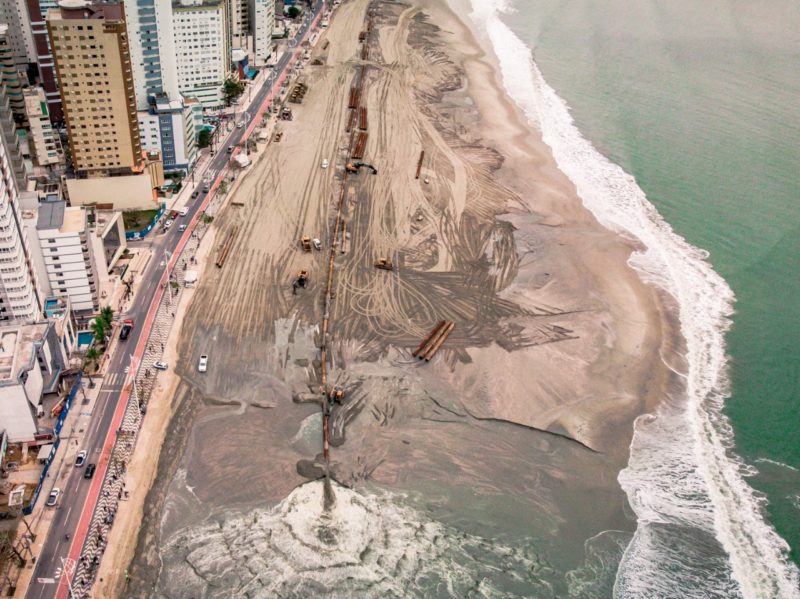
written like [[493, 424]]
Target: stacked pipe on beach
[[434, 341]]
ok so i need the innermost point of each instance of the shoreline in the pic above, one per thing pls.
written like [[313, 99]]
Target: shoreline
[[559, 208]]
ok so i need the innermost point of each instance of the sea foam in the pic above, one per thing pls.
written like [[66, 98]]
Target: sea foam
[[701, 530]]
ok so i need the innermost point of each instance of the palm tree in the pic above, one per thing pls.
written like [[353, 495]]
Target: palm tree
[[99, 328], [107, 314], [92, 356]]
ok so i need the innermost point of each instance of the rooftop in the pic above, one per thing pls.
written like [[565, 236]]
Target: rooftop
[[84, 9], [16, 349], [51, 215], [56, 215]]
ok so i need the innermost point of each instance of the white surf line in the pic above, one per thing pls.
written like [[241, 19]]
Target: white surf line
[[758, 556]]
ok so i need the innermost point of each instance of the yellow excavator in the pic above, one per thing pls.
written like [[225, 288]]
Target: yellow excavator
[[384, 264], [352, 167]]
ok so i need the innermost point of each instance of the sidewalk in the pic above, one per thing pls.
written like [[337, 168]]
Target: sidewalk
[[72, 441]]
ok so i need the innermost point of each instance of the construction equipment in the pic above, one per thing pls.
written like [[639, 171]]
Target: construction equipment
[[384, 264], [306, 243], [352, 167], [300, 281]]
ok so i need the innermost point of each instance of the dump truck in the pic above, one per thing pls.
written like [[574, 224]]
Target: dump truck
[[384, 264], [306, 243]]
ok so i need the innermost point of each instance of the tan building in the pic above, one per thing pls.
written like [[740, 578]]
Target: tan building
[[90, 50]]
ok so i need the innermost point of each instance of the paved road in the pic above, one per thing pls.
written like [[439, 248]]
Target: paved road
[[74, 493]]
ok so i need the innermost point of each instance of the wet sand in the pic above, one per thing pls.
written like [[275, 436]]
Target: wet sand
[[557, 345]]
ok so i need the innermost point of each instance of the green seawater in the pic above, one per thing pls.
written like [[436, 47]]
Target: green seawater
[[700, 101]]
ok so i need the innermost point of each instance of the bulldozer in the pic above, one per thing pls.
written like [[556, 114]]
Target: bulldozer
[[384, 264], [352, 167], [300, 281], [306, 243]]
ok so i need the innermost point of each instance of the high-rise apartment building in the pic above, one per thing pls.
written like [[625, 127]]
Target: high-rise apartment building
[[262, 22], [165, 123], [44, 140], [15, 14], [66, 255], [13, 79], [202, 48], [93, 65], [37, 15], [20, 297]]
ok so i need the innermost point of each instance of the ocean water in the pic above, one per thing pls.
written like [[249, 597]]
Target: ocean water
[[679, 124]]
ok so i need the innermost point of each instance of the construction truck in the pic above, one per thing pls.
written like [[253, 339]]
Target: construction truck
[[306, 243], [384, 264]]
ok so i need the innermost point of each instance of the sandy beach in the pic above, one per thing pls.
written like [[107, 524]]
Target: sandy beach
[[557, 347]]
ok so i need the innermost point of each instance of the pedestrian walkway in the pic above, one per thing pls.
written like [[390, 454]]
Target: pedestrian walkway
[[113, 488]]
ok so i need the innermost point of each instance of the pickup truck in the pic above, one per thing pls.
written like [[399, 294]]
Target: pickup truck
[[127, 327]]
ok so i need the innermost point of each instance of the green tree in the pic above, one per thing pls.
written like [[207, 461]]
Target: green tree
[[99, 329], [204, 138], [92, 357], [107, 316], [294, 12], [232, 89]]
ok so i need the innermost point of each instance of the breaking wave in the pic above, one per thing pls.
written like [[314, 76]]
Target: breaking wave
[[701, 530]]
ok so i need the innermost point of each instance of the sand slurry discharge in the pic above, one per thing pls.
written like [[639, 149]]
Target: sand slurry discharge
[[556, 341]]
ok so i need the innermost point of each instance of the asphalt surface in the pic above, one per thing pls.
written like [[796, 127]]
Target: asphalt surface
[[72, 502]]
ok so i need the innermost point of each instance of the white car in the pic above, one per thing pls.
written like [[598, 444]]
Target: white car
[[184, 211], [52, 500], [181, 228], [240, 125], [160, 365], [81, 459], [317, 244], [325, 163], [202, 366], [168, 224]]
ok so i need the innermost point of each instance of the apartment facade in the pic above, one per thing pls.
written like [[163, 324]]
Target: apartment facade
[[44, 140], [13, 78], [66, 256], [93, 65], [262, 22], [168, 128], [203, 49], [162, 113], [37, 15]]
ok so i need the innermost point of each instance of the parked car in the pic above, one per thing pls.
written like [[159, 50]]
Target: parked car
[[52, 500], [325, 163], [81, 459], [205, 188], [160, 365], [317, 244], [90, 471], [168, 224], [127, 327], [202, 366]]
